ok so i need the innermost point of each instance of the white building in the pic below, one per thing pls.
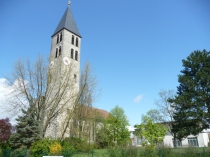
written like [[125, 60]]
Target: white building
[[200, 140]]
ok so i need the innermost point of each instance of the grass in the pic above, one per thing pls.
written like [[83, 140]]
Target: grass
[[140, 152]]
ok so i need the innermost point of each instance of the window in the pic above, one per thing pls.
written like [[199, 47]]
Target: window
[[59, 50], [76, 55], [139, 141], [60, 36], [77, 42], [72, 53], [72, 40], [75, 78], [193, 142], [56, 53], [178, 143], [57, 38]]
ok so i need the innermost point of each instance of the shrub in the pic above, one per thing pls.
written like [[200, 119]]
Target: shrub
[[41, 147], [113, 152], [5, 152], [77, 143], [130, 152], [55, 148], [21, 152]]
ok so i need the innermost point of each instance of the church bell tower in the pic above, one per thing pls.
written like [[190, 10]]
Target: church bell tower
[[66, 44]]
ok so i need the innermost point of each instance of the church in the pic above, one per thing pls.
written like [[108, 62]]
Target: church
[[67, 92]]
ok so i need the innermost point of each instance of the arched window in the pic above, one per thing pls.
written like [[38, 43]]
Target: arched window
[[59, 50], [60, 36], [72, 40], [57, 38], [76, 55], [75, 78], [56, 53], [72, 53], [77, 42]]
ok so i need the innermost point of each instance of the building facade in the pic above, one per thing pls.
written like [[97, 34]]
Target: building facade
[[200, 140]]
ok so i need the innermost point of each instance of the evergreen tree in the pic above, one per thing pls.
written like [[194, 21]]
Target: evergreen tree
[[192, 103], [27, 130]]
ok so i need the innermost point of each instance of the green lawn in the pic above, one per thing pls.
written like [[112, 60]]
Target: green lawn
[[96, 153], [165, 152]]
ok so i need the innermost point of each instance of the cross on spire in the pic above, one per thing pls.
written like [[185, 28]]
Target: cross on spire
[[69, 3]]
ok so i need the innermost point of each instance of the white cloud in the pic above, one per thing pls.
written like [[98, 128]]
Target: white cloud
[[4, 90], [138, 98]]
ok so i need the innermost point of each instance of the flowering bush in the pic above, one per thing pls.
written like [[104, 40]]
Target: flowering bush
[[55, 149]]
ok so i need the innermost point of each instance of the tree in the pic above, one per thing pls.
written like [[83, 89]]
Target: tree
[[82, 115], [102, 138], [152, 133], [116, 123], [6, 130], [166, 109], [27, 130], [49, 92], [192, 102], [154, 115]]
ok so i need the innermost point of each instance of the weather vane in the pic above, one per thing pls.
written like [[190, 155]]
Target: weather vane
[[69, 3]]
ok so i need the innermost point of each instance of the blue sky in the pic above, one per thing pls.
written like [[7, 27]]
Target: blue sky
[[135, 47]]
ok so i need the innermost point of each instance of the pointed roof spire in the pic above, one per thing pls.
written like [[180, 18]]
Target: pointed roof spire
[[67, 22]]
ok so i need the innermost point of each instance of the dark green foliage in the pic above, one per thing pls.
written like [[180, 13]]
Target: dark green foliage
[[77, 144], [192, 103], [5, 152], [27, 130], [102, 139], [67, 147], [21, 152]]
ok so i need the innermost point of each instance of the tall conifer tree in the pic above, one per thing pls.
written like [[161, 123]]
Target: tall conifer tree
[[27, 129], [192, 103]]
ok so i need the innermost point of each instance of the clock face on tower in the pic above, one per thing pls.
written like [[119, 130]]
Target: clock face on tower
[[66, 60], [51, 64]]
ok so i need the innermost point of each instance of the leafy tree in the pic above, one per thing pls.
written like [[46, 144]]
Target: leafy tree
[[153, 114], [6, 129], [192, 103], [116, 123], [151, 132], [27, 130]]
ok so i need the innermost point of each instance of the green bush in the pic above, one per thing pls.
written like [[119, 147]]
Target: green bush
[[41, 147], [78, 144], [130, 151], [5, 152], [67, 148], [114, 152], [21, 152]]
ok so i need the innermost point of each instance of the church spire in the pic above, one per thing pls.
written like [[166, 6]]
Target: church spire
[[67, 22]]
